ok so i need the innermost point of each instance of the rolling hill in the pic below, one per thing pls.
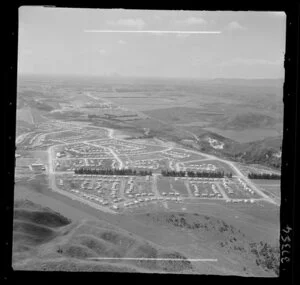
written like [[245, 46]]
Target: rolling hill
[[227, 242], [45, 240], [263, 152], [247, 120]]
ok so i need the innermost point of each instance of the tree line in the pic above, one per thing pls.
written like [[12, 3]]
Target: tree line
[[264, 176], [112, 171], [209, 174], [167, 173]]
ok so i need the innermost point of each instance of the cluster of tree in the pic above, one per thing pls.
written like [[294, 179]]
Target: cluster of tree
[[267, 256], [111, 171], [43, 106], [276, 165], [263, 176], [209, 174], [91, 116], [173, 173], [140, 137]]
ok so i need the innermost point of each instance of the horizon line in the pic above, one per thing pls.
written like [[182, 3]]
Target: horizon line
[[152, 31], [139, 76]]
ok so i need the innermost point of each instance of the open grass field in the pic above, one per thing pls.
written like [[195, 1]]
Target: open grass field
[[267, 182], [163, 185], [272, 186], [81, 241], [167, 185], [178, 186], [271, 189]]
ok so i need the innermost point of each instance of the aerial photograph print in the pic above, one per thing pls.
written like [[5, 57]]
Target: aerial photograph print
[[148, 141]]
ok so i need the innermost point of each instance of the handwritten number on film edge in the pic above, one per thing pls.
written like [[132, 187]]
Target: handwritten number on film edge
[[285, 238]]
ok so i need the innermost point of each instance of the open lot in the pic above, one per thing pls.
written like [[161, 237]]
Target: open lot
[[272, 186], [171, 187], [178, 186]]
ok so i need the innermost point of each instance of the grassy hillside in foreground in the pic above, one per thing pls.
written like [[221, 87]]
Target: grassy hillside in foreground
[[44, 240], [222, 238]]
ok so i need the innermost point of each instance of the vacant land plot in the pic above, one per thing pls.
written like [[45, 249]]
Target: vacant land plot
[[273, 192], [178, 186], [163, 186], [272, 186]]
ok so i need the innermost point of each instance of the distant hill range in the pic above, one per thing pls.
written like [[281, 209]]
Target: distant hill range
[[247, 121], [272, 82]]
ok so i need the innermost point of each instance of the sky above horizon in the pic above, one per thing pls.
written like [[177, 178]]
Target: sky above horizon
[[66, 41]]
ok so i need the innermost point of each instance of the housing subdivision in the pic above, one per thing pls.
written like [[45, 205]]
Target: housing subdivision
[[91, 165]]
